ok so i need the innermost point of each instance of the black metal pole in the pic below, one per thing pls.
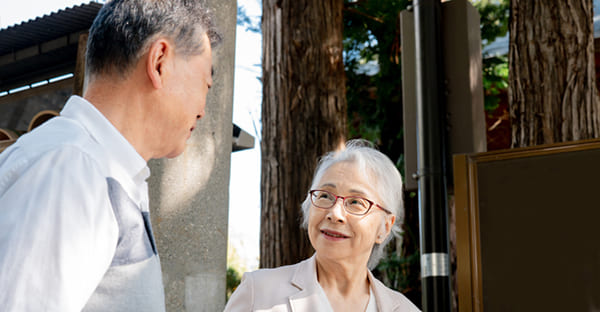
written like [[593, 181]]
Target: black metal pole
[[431, 148]]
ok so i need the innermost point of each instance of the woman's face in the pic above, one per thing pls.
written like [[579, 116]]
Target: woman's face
[[338, 235]]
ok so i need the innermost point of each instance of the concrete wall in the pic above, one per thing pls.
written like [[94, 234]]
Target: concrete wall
[[189, 194], [17, 110]]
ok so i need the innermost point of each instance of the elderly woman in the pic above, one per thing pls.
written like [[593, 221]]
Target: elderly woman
[[349, 212]]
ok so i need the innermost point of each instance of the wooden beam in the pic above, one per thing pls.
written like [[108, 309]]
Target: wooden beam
[[80, 64]]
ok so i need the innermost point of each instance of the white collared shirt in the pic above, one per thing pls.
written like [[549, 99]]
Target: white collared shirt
[[58, 232]]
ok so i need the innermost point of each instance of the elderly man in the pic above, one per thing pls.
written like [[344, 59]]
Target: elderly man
[[74, 227]]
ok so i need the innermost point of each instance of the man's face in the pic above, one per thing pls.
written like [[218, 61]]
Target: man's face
[[186, 87]]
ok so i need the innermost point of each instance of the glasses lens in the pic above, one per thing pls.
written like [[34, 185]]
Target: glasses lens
[[323, 199], [356, 205]]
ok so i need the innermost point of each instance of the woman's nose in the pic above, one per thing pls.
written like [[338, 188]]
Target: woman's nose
[[337, 213]]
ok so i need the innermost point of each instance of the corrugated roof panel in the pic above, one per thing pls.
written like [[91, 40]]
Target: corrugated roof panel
[[48, 27], [23, 68]]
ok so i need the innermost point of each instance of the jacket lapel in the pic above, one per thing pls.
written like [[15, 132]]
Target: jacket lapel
[[305, 279], [384, 301], [308, 299]]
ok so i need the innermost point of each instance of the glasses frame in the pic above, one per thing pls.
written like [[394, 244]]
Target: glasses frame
[[371, 203]]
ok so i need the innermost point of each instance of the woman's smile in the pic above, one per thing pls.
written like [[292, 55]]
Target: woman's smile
[[333, 235]]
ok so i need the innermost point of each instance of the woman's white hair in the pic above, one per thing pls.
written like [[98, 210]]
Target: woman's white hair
[[380, 172]]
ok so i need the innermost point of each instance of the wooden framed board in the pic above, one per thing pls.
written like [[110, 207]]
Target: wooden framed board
[[528, 228]]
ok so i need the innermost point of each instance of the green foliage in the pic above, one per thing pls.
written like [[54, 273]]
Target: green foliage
[[493, 19], [372, 62], [374, 95], [495, 80], [494, 16], [233, 280]]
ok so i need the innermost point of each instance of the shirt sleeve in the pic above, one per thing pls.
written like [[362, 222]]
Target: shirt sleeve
[[242, 299], [58, 232]]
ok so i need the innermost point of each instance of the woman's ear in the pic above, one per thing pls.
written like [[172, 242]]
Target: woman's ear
[[385, 228], [158, 53]]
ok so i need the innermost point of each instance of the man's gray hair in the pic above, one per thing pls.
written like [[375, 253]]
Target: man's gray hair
[[124, 29], [380, 171]]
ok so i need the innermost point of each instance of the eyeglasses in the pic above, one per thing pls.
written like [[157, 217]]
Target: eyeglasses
[[355, 205]]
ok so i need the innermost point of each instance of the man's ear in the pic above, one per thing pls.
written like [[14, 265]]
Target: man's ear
[[156, 61]]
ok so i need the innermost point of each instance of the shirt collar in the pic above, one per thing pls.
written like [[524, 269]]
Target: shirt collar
[[126, 164]]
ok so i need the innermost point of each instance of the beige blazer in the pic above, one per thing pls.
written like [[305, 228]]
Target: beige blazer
[[294, 288]]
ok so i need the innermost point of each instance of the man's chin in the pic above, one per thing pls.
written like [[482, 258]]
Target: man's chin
[[176, 152]]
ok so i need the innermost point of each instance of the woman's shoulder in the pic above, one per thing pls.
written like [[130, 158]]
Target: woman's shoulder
[[284, 272], [389, 299], [265, 289], [269, 272]]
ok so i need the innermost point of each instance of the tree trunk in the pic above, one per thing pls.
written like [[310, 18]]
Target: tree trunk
[[552, 90], [303, 115]]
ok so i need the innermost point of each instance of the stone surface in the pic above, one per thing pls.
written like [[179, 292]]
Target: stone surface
[[189, 194]]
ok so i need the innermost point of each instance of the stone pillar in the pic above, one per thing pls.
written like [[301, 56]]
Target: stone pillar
[[189, 194]]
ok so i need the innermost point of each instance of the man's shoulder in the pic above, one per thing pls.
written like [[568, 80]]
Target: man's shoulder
[[57, 137], [58, 134], [54, 133]]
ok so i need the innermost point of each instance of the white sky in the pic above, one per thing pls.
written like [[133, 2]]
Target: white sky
[[244, 198], [244, 191]]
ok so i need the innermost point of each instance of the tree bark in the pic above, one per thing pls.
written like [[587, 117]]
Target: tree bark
[[303, 115], [552, 89]]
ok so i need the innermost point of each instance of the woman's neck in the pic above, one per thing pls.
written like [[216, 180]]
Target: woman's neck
[[345, 284]]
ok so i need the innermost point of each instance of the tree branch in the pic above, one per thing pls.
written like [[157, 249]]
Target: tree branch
[[355, 11]]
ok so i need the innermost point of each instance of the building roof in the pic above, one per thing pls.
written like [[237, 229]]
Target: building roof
[[44, 47], [48, 27]]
